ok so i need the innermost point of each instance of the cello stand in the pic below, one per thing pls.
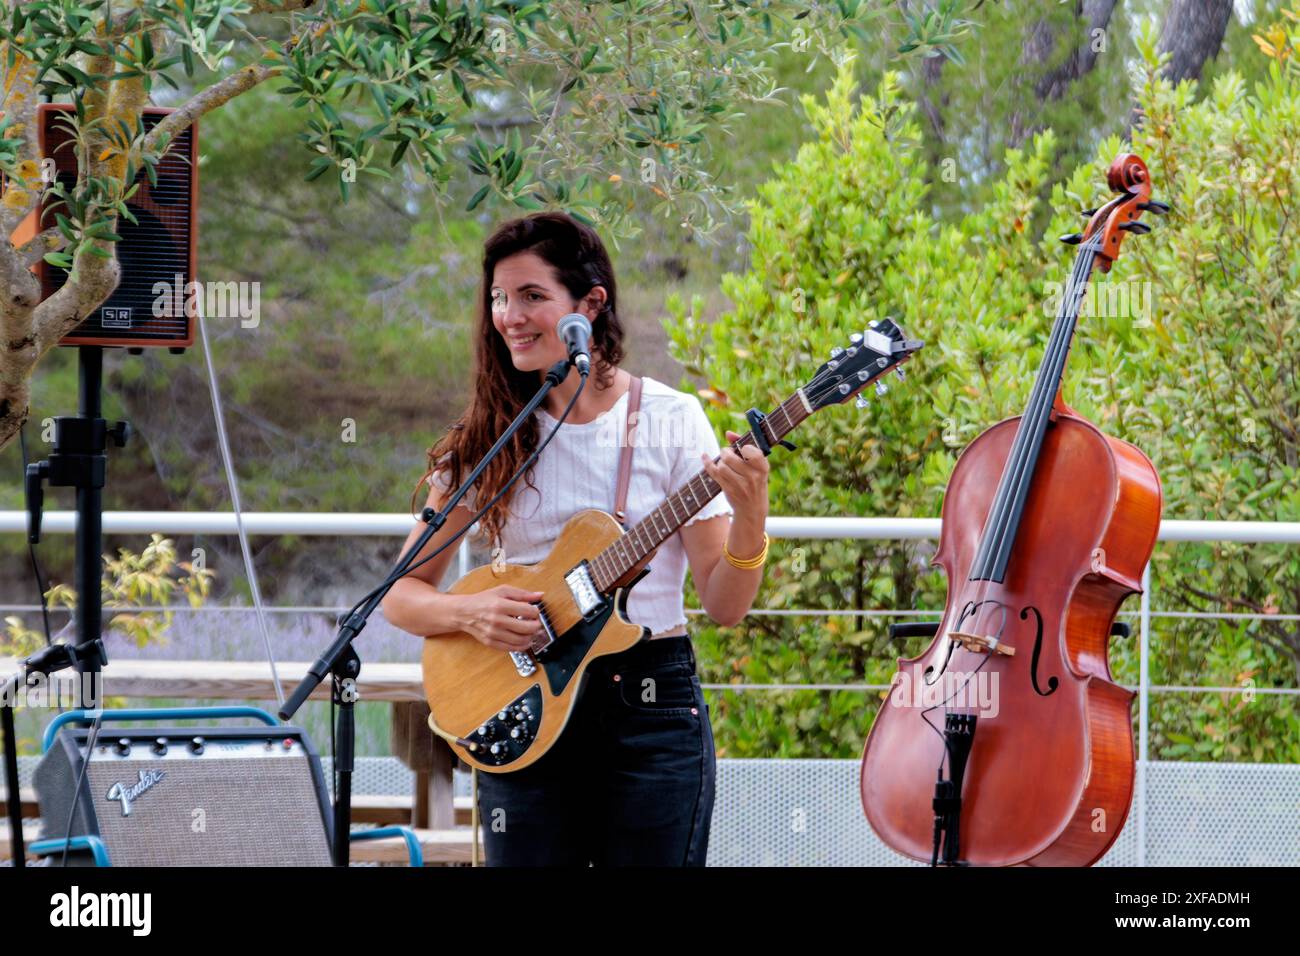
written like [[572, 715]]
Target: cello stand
[[958, 735]]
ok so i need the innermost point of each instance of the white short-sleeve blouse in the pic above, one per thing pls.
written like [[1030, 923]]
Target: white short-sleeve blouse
[[579, 469]]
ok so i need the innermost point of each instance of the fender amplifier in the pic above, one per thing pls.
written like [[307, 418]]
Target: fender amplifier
[[184, 796]]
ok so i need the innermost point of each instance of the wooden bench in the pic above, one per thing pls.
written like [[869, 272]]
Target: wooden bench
[[384, 809], [438, 846], [26, 799], [388, 809]]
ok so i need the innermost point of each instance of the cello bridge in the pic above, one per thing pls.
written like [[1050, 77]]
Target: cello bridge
[[981, 644]]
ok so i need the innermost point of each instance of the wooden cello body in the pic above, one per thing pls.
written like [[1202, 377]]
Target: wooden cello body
[[1047, 526], [1050, 773]]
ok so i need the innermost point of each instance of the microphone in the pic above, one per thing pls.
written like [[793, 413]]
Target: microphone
[[575, 330]]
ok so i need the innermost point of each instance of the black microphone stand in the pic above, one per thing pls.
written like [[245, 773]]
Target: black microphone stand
[[78, 461], [18, 851], [340, 660]]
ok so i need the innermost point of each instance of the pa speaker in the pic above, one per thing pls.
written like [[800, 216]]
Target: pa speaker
[[161, 246]]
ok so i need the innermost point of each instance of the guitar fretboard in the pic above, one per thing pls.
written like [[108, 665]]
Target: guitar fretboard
[[641, 540]]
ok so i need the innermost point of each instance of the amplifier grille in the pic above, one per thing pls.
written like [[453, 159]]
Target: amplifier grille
[[211, 811]]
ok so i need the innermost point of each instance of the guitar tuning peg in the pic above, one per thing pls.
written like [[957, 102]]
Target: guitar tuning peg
[[1152, 205], [861, 401], [1073, 239], [856, 338], [1087, 213], [1137, 228], [836, 352], [902, 375], [881, 387]]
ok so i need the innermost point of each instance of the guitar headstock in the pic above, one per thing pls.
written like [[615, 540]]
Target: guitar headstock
[[866, 357]]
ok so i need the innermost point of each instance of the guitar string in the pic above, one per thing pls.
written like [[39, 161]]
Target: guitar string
[[643, 533]]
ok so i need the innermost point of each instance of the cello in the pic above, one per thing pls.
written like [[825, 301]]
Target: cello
[[1006, 742]]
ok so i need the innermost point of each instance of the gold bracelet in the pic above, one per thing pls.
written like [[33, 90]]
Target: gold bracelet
[[746, 564]]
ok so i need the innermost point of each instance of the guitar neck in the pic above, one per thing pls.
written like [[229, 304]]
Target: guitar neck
[[642, 539]]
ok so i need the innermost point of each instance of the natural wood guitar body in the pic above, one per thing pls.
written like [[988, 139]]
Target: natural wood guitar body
[[468, 683]]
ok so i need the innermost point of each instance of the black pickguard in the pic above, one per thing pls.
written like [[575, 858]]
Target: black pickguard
[[562, 659]]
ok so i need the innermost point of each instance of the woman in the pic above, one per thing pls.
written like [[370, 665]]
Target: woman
[[631, 779]]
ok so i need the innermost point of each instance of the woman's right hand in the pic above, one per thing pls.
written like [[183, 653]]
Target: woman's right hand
[[503, 617]]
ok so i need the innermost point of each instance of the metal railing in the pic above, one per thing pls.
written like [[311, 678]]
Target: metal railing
[[885, 529]]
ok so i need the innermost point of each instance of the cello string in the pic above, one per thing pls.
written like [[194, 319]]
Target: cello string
[[1050, 379], [999, 519]]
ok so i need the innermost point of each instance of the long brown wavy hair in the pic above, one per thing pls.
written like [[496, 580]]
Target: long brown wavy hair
[[580, 261]]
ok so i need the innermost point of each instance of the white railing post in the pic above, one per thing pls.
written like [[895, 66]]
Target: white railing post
[[1144, 721]]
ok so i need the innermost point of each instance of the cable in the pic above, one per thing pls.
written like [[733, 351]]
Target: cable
[[224, 443], [399, 573], [81, 777], [31, 550]]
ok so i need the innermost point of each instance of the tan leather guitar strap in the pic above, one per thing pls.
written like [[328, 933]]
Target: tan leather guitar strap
[[625, 458]]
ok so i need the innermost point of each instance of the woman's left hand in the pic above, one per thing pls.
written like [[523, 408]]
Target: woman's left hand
[[742, 475]]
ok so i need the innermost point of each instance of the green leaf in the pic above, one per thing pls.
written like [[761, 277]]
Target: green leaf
[[459, 84]]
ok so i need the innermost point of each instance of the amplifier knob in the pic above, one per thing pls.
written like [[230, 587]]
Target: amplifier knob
[[497, 748], [196, 745], [160, 746], [123, 747], [502, 716]]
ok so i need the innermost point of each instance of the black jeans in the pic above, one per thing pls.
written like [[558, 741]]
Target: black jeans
[[631, 780]]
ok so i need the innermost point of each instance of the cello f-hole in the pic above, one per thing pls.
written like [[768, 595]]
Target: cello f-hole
[[1052, 682]]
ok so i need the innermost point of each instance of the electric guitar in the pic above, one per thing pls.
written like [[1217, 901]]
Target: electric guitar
[[501, 711]]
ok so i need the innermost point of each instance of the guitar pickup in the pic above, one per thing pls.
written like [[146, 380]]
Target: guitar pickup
[[588, 599]]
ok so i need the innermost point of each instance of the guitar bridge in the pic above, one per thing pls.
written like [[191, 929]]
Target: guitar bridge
[[525, 666]]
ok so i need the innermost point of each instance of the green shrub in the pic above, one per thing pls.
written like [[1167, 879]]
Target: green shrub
[[843, 234]]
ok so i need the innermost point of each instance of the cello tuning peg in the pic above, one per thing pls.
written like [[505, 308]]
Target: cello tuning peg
[[1072, 239], [1151, 205], [1087, 213], [1137, 228]]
